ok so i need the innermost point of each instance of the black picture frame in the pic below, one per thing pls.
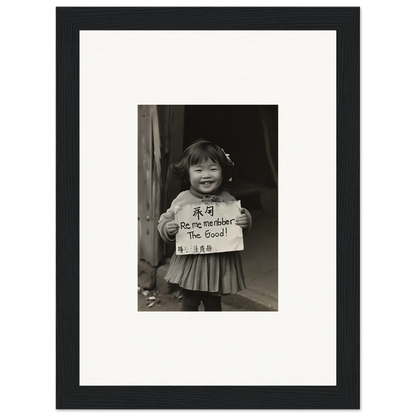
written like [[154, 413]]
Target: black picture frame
[[346, 22]]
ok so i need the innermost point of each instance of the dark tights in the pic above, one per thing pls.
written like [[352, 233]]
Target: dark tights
[[191, 299]]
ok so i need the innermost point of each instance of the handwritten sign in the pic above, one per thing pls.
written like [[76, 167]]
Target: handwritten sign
[[208, 228]]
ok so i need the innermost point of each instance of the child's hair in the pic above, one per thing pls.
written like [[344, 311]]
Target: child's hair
[[199, 151]]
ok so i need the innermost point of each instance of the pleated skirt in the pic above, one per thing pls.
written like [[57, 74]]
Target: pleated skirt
[[219, 273]]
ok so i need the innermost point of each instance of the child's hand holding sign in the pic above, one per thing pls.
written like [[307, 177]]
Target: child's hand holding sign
[[242, 220], [172, 228]]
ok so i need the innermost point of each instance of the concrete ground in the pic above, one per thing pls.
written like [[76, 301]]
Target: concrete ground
[[259, 259], [260, 270]]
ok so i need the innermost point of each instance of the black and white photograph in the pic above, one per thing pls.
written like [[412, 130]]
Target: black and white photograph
[[208, 158], [219, 164]]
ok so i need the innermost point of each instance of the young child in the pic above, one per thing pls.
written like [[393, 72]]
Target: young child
[[203, 277]]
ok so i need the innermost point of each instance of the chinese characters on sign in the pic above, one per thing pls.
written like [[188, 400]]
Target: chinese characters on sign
[[208, 228], [198, 212], [196, 249]]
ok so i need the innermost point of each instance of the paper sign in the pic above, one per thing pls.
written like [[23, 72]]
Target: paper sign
[[208, 228]]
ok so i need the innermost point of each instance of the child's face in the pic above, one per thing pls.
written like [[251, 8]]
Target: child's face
[[205, 177]]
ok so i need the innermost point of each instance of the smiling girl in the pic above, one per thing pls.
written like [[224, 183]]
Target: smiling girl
[[203, 277]]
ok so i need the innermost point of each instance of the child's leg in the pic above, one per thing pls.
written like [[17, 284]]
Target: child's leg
[[211, 302], [191, 300]]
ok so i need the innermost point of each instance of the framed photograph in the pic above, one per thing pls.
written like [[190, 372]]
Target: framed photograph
[[209, 235], [207, 160]]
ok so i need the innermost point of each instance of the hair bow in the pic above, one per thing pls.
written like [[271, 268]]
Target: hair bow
[[227, 155]]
